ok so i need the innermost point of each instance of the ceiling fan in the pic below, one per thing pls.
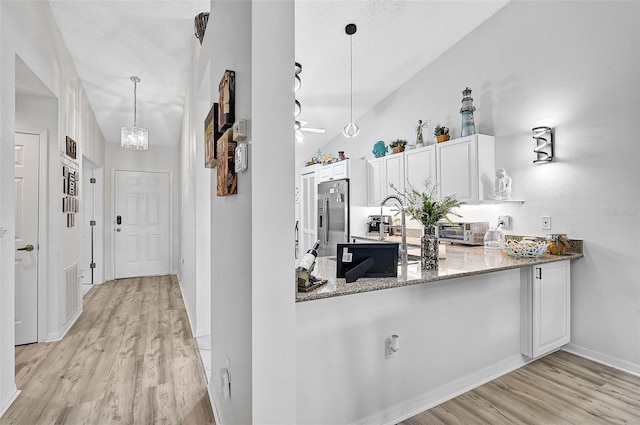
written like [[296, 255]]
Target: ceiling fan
[[301, 127]]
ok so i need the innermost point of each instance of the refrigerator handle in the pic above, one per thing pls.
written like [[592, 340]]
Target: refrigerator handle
[[327, 221]]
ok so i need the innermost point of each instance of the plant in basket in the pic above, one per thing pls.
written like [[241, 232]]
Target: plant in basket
[[398, 145], [442, 133]]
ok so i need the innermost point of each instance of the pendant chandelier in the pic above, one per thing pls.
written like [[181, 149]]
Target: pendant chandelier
[[351, 130], [134, 137]]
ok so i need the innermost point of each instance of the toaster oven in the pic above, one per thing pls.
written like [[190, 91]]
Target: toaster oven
[[471, 233]]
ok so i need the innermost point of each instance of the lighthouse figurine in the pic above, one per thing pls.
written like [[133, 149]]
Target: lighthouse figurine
[[468, 125]]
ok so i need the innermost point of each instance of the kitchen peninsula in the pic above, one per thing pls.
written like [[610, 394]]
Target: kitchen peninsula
[[480, 315], [461, 261]]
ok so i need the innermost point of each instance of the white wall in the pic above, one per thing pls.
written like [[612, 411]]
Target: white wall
[[156, 158], [556, 64], [272, 232], [452, 334], [28, 30], [195, 195]]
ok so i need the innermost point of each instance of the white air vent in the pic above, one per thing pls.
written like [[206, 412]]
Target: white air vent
[[71, 284]]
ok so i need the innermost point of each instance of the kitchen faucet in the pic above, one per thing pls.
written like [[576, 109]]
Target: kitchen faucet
[[403, 245]]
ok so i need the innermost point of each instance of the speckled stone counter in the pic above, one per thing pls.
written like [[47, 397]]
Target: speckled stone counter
[[460, 261]]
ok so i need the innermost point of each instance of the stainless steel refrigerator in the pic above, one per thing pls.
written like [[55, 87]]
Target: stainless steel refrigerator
[[333, 215]]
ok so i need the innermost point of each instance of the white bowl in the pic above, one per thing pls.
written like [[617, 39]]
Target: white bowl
[[525, 248]]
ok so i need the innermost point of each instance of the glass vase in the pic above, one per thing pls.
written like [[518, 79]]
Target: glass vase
[[429, 249]]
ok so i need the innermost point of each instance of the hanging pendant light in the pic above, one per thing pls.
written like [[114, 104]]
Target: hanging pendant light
[[134, 137], [351, 130]]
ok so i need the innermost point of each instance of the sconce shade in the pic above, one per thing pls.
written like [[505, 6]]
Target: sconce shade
[[544, 144]]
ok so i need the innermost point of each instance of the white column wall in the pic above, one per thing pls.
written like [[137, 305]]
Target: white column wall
[[272, 221]]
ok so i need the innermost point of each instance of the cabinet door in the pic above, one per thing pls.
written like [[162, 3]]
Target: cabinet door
[[393, 173], [548, 309], [374, 181], [325, 173], [340, 170], [457, 169], [419, 166], [308, 212]]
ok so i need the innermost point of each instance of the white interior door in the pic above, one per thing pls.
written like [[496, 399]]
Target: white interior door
[[27, 153], [142, 223]]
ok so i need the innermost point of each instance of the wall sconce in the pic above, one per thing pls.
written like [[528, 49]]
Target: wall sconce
[[544, 144]]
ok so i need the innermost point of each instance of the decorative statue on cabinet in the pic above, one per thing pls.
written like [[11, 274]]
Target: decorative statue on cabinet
[[502, 184]]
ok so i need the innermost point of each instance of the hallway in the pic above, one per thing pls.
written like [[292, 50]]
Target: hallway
[[129, 359]]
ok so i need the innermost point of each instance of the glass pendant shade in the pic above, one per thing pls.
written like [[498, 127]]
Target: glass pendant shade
[[134, 138], [351, 130]]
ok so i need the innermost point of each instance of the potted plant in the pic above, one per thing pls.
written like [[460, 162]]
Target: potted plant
[[442, 133], [427, 208], [398, 145]]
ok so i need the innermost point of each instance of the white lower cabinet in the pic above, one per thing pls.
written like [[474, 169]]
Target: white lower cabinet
[[545, 316]]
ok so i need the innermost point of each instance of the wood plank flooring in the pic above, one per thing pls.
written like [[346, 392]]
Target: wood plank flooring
[[129, 359], [558, 389]]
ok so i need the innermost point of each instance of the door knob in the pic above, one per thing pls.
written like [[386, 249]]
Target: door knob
[[27, 248]]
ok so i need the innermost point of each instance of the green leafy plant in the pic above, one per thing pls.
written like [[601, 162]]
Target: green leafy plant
[[398, 143], [440, 130], [425, 207]]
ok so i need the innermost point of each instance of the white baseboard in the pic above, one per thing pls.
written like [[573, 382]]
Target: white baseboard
[[57, 336], [191, 327], [605, 359], [216, 414], [203, 332], [426, 401], [5, 406]]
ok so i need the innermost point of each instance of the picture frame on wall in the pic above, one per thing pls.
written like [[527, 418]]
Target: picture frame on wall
[[227, 179], [226, 100], [71, 148], [211, 136]]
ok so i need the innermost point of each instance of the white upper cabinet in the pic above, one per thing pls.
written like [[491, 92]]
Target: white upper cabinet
[[337, 170], [375, 181], [466, 168], [381, 172], [420, 166]]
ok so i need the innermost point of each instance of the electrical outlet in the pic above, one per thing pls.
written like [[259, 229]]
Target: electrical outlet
[[545, 222], [504, 221]]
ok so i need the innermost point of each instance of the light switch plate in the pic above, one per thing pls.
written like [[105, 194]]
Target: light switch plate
[[545, 222]]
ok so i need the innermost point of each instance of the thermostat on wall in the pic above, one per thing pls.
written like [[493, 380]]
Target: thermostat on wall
[[239, 130], [241, 157]]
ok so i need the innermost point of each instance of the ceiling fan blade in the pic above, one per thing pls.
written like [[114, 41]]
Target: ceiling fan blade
[[313, 130]]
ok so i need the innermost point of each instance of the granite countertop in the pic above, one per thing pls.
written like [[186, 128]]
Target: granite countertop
[[460, 261]]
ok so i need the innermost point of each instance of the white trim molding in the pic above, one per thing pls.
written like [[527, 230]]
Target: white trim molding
[[605, 359]]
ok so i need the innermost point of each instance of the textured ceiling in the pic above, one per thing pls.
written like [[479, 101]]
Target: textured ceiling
[[111, 40]]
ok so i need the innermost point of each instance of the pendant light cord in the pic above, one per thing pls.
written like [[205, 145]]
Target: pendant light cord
[[135, 101], [351, 74]]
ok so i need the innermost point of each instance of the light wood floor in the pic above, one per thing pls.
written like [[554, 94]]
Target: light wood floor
[[558, 389], [129, 359]]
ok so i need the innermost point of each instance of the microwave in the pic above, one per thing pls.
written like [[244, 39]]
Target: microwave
[[464, 233]]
